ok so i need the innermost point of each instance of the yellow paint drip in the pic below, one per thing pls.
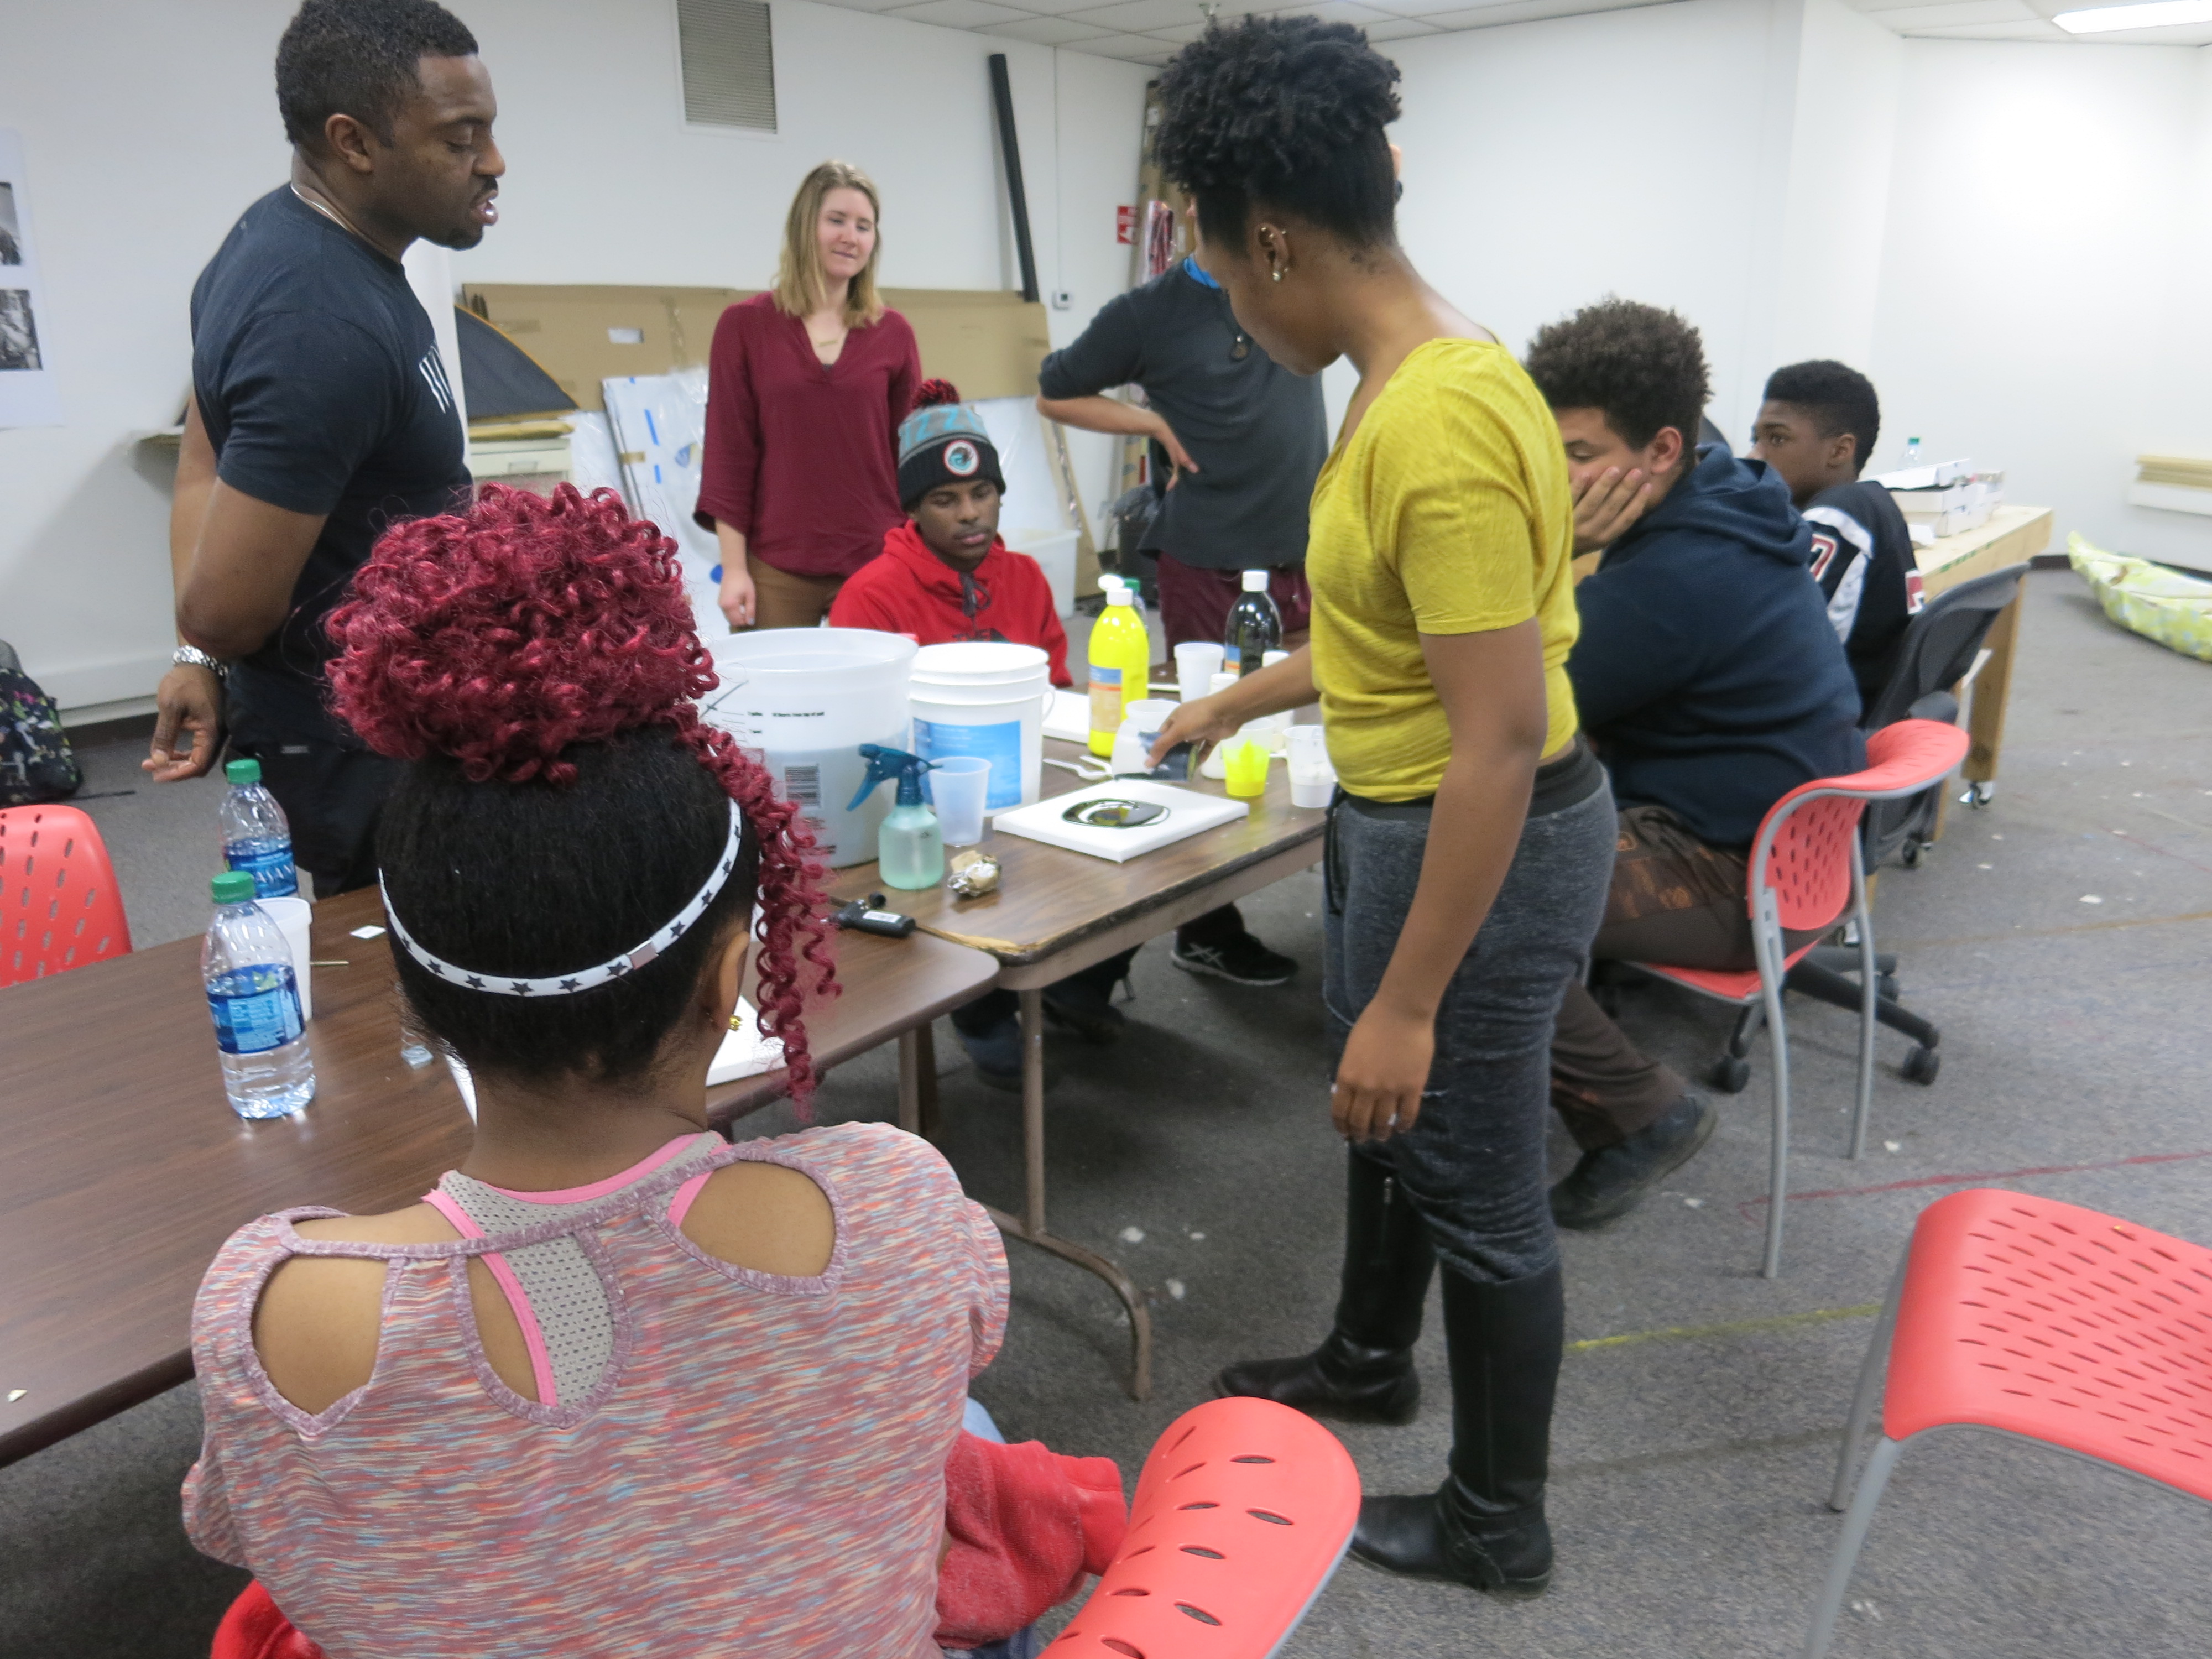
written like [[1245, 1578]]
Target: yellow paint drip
[[1731, 1328]]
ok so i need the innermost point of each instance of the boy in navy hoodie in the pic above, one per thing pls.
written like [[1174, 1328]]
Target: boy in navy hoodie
[[1711, 683]]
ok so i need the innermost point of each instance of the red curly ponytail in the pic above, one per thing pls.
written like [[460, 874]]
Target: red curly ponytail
[[505, 637]]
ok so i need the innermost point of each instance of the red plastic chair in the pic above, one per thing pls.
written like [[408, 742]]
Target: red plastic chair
[[2025, 1316], [1242, 1512], [59, 905], [1805, 871]]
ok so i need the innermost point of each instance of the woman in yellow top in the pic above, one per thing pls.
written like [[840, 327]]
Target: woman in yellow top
[[1471, 841]]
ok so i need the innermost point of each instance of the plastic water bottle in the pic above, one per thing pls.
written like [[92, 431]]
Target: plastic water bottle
[[254, 996], [256, 839], [1912, 452]]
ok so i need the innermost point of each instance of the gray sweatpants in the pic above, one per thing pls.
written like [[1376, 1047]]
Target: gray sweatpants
[[1474, 1162]]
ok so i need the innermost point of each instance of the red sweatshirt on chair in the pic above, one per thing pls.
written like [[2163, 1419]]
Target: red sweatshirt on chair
[[908, 589]]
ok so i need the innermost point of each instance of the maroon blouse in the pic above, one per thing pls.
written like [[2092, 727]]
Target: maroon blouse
[[801, 457]]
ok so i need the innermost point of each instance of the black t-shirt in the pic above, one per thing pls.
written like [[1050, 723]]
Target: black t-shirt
[[1257, 431], [1862, 558], [318, 380]]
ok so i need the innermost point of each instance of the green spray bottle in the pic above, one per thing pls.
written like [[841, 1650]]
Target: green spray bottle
[[909, 847]]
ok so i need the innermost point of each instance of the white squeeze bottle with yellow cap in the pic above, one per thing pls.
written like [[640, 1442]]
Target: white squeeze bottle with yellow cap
[[1120, 662]]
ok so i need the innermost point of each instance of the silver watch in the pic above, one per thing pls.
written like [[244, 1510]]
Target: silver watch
[[191, 656]]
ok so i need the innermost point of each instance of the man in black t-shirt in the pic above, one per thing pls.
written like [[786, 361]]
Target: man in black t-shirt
[[1816, 428], [320, 411], [1241, 438]]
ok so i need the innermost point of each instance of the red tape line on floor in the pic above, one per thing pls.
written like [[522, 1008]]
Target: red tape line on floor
[[1750, 1208]]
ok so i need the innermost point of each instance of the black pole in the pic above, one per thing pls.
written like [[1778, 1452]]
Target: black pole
[[1002, 95]]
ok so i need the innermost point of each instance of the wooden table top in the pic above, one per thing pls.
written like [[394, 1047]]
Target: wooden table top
[[126, 1168], [1050, 898]]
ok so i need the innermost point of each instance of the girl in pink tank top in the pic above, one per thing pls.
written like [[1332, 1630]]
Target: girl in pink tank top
[[614, 1388]]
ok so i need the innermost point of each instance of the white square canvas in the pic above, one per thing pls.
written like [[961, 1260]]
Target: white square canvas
[[1189, 814]]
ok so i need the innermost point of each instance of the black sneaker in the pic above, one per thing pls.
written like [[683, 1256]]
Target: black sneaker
[[1241, 961], [1610, 1182], [997, 1054], [1087, 1010]]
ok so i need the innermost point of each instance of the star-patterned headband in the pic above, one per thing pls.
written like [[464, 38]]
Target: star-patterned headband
[[583, 979]]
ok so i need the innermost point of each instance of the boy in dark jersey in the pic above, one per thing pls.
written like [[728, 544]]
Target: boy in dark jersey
[[321, 412], [1816, 428]]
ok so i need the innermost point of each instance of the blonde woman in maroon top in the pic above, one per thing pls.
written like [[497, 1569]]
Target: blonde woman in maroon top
[[807, 384]]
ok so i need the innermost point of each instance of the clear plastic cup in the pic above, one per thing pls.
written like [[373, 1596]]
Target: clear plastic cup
[[1245, 766], [1196, 664], [959, 785], [292, 917], [1313, 779]]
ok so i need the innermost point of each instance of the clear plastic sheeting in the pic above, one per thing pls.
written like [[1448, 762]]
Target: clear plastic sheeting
[[2148, 599], [658, 422]]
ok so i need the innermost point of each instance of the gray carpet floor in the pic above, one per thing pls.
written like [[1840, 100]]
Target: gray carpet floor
[[2059, 937]]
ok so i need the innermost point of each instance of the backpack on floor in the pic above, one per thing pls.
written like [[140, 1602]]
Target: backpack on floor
[[36, 761]]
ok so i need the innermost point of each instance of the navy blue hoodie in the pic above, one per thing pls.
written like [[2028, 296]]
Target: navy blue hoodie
[[1707, 670]]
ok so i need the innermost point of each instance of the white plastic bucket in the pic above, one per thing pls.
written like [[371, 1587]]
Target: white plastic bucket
[[803, 700], [986, 699]]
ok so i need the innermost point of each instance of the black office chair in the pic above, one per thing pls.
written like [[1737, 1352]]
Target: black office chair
[[1941, 645]]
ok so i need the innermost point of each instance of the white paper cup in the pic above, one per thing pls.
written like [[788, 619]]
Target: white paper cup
[[292, 916], [1196, 664], [960, 784], [1307, 745], [1313, 779], [1314, 792]]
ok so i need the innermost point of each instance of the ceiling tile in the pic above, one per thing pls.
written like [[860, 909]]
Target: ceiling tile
[[1134, 48], [1135, 16], [1956, 11], [1400, 28], [868, 5], [1341, 11], [959, 14], [2038, 30], [1524, 11], [1181, 34], [1046, 31]]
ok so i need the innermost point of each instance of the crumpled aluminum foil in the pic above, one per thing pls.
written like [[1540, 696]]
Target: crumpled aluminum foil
[[974, 874]]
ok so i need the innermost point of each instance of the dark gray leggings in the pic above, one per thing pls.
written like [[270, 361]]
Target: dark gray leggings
[[1474, 1162]]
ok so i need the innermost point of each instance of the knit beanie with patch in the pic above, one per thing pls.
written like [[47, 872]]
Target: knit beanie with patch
[[944, 441]]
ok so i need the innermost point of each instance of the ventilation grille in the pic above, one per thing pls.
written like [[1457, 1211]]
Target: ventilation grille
[[729, 66]]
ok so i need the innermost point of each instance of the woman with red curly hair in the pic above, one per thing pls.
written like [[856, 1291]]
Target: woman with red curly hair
[[614, 1386]]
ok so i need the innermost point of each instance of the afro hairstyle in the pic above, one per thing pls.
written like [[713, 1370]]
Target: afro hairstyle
[[1282, 112], [1642, 368]]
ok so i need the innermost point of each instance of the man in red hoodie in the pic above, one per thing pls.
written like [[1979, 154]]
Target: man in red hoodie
[[944, 575]]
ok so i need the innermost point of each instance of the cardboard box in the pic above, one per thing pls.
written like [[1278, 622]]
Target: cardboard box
[[988, 343]]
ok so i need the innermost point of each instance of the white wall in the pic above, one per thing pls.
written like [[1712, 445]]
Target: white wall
[[1842, 125], [2042, 296], [1549, 164], [606, 184]]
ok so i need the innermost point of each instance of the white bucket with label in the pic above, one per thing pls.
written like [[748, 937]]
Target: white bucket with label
[[802, 700], [989, 699]]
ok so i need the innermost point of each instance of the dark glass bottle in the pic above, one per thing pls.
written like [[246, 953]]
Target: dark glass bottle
[[1254, 627]]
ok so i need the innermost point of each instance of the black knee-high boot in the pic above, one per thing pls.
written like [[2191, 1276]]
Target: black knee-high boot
[[1364, 1371], [1485, 1526]]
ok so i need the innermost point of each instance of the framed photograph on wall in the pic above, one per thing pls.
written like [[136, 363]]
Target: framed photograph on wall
[[27, 393]]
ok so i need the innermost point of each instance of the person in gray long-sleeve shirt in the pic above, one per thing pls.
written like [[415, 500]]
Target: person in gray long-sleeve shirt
[[1241, 440]]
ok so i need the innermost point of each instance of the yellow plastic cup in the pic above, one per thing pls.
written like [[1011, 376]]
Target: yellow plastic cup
[[1245, 761]]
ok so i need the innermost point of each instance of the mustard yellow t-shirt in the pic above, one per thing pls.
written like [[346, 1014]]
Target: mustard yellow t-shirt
[[1446, 511]]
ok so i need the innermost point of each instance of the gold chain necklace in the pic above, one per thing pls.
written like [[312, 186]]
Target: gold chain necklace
[[329, 213]]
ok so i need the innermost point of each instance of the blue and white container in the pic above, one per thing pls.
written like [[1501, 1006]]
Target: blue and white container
[[256, 838], [985, 698], [254, 996]]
